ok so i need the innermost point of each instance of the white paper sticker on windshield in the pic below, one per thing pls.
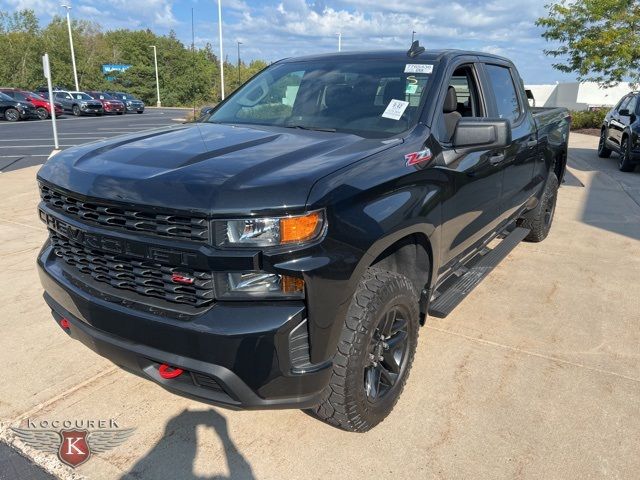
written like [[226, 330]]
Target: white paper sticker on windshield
[[395, 109], [418, 68]]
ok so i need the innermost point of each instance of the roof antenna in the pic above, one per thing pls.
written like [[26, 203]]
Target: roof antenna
[[415, 49]]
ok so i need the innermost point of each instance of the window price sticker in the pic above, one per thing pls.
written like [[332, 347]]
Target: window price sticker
[[395, 109], [418, 68]]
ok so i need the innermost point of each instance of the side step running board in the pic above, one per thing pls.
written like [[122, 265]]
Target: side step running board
[[450, 298]]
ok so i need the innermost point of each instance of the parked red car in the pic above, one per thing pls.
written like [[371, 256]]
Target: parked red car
[[109, 103], [43, 108]]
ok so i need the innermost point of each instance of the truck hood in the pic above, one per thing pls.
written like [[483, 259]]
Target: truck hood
[[219, 169]]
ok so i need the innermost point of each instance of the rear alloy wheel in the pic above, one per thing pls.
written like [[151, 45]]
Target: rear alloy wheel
[[603, 151], [76, 111], [375, 352], [539, 219], [625, 164], [42, 113]]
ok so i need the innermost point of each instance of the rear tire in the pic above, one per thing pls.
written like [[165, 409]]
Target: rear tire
[[42, 113], [603, 151], [539, 219], [625, 164], [375, 353], [11, 115]]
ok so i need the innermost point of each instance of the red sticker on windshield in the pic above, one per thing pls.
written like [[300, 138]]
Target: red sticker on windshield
[[418, 157]]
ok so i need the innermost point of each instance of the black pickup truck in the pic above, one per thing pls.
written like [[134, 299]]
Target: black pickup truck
[[284, 251]]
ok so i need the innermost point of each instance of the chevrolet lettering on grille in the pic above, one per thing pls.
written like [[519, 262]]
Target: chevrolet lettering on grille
[[118, 246]]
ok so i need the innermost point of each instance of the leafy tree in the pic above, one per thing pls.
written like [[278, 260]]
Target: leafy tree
[[187, 76], [599, 40]]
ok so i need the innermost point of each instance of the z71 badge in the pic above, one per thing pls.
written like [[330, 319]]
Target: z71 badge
[[418, 157]]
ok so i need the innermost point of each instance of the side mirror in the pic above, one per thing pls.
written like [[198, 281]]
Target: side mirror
[[482, 133], [624, 112]]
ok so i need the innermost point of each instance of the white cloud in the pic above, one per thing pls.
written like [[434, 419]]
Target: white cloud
[[273, 29]]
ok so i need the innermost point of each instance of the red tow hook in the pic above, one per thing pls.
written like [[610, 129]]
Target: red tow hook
[[65, 324], [169, 372]]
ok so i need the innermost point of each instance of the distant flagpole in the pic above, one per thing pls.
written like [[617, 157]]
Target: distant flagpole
[[221, 54]]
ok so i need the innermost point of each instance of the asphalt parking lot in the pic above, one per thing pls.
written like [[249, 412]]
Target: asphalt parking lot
[[535, 375], [28, 143]]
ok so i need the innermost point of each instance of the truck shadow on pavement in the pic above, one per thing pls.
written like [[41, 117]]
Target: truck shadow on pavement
[[175, 453], [613, 201]]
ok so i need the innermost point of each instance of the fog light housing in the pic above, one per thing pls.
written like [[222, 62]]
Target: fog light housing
[[258, 285]]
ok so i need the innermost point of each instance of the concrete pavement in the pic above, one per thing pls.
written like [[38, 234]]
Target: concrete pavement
[[535, 375]]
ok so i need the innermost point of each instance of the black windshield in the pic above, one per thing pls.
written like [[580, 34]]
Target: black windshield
[[368, 98]]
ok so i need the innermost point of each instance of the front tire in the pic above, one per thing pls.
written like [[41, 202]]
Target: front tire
[[625, 164], [539, 219], [76, 111], [42, 113], [375, 353], [603, 151]]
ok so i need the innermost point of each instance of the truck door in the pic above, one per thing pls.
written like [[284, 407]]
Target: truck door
[[471, 209], [508, 102]]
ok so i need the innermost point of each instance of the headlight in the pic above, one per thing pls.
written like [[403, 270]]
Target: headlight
[[129, 103], [257, 285], [270, 231]]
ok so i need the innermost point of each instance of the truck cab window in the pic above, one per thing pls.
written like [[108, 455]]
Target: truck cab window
[[504, 91], [461, 100]]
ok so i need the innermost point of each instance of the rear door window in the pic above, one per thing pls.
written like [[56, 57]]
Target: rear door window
[[504, 91]]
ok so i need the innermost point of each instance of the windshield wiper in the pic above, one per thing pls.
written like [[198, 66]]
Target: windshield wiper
[[316, 129]]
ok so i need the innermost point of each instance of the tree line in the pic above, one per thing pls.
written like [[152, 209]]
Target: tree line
[[187, 75]]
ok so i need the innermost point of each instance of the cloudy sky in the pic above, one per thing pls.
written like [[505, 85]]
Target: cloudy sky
[[272, 29]]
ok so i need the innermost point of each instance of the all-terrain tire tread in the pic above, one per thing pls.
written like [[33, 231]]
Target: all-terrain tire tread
[[339, 406]]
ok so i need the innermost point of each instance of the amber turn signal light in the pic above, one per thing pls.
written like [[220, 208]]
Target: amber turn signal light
[[291, 285], [301, 228]]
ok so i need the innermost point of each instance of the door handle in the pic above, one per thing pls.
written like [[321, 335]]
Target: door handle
[[496, 158]]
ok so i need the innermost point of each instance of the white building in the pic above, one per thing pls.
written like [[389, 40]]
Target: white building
[[578, 96]]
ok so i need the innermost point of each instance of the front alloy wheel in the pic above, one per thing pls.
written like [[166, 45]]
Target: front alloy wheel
[[387, 354], [603, 151], [76, 110], [11, 115], [42, 113], [625, 163]]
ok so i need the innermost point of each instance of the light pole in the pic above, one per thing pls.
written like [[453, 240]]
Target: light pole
[[155, 61], [221, 54], [339, 34], [73, 55], [239, 43]]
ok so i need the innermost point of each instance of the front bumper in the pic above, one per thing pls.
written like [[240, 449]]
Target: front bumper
[[135, 108], [114, 108], [26, 113], [236, 355]]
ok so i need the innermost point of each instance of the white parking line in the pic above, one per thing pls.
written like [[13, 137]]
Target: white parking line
[[23, 156], [46, 139], [50, 145]]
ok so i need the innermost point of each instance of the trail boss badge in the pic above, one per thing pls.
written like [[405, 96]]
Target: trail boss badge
[[74, 446]]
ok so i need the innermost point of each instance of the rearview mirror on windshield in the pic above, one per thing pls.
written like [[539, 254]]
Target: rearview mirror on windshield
[[484, 133]]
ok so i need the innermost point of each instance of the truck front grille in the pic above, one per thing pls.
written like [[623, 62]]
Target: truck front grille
[[124, 217], [146, 278]]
